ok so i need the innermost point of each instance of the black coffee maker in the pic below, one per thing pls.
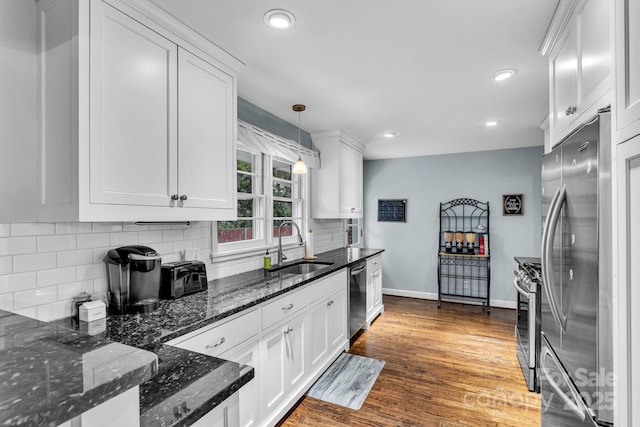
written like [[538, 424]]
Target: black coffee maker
[[133, 273]]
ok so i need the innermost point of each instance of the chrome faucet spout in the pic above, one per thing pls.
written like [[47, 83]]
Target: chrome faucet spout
[[281, 255]]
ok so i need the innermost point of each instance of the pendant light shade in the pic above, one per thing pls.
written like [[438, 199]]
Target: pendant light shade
[[299, 166]]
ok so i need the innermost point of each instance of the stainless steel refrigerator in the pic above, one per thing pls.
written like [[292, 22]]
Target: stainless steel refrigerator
[[576, 360]]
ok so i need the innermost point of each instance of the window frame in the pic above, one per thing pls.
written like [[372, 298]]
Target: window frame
[[239, 249]]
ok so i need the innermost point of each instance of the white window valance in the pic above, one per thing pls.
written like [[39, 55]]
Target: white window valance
[[253, 137]]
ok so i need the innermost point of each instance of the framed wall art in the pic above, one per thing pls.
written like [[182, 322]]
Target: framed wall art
[[512, 204]]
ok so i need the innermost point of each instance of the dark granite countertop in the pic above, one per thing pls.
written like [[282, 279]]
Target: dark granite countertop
[[50, 374], [193, 382]]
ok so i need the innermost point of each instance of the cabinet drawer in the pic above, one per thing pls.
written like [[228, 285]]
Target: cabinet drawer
[[221, 338], [290, 303], [327, 286], [374, 263]]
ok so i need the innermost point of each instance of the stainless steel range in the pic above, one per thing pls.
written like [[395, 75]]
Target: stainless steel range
[[527, 282]]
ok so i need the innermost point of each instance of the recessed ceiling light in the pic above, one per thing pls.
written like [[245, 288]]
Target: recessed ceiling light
[[279, 19], [389, 134], [491, 123], [503, 74]]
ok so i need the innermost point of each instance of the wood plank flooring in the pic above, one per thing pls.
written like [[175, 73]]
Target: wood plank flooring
[[454, 366]]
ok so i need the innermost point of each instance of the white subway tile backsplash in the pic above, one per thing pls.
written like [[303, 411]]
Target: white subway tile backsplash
[[34, 262], [6, 302], [91, 271], [35, 297], [56, 310], [172, 235], [56, 243], [42, 265], [192, 233], [106, 227], [147, 237], [17, 282], [32, 229], [69, 290], [97, 240], [124, 239], [73, 227], [6, 265], [17, 245], [56, 276], [77, 257]]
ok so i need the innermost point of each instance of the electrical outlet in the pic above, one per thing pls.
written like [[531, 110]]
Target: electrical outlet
[[465, 284]]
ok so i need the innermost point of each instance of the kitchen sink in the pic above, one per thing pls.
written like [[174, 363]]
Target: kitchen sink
[[300, 268]]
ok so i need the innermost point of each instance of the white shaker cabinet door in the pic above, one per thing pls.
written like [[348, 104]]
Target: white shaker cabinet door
[[564, 81], [133, 111], [627, 59], [206, 148]]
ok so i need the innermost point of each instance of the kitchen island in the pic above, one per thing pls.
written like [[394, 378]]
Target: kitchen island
[[185, 385]]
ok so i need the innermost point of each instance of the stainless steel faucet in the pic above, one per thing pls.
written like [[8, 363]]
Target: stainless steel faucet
[[281, 256]]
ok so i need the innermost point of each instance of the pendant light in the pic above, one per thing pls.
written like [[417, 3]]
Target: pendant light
[[299, 166]]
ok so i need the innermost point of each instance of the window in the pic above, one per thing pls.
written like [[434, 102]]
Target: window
[[286, 198], [250, 200], [260, 215]]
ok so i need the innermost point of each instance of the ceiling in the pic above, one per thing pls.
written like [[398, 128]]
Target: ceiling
[[421, 68]]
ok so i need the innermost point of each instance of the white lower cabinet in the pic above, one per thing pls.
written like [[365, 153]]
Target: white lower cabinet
[[282, 365], [374, 288], [289, 341], [226, 414], [249, 395]]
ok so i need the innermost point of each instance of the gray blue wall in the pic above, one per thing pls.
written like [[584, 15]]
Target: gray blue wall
[[263, 119], [410, 259]]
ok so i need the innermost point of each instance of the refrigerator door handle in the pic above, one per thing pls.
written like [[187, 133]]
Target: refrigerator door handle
[[576, 405], [553, 216]]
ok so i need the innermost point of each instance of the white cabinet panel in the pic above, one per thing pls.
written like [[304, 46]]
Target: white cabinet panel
[[133, 111], [374, 288], [206, 156], [627, 297], [627, 53], [225, 414], [336, 188], [337, 319], [249, 394], [319, 335], [578, 43]]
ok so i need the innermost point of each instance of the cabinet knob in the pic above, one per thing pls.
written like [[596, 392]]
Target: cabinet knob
[[183, 197], [571, 110], [174, 197]]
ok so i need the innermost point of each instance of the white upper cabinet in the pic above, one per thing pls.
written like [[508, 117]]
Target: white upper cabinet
[[578, 44], [627, 52], [137, 116], [336, 188]]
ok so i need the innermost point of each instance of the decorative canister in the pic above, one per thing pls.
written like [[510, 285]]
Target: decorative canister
[[448, 239]]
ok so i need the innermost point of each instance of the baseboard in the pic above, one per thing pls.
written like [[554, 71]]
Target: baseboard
[[432, 296]]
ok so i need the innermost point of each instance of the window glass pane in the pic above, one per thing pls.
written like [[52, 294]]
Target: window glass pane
[[287, 230], [282, 209], [282, 189], [235, 231], [245, 183], [353, 231], [245, 161], [245, 208], [281, 170]]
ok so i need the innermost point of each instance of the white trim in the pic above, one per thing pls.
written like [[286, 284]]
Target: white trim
[[432, 296]]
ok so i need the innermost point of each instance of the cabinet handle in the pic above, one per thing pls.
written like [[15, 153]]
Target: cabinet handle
[[288, 330], [183, 197], [330, 302], [571, 110], [219, 343], [174, 197], [287, 308]]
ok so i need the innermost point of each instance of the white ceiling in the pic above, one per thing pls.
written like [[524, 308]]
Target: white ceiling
[[419, 67]]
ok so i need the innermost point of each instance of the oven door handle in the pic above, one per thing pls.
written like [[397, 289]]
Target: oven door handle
[[516, 284]]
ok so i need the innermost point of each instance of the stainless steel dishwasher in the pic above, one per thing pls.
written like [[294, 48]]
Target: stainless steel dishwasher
[[357, 297]]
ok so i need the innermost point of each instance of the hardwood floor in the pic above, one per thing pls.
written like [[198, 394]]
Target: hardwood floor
[[454, 366]]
